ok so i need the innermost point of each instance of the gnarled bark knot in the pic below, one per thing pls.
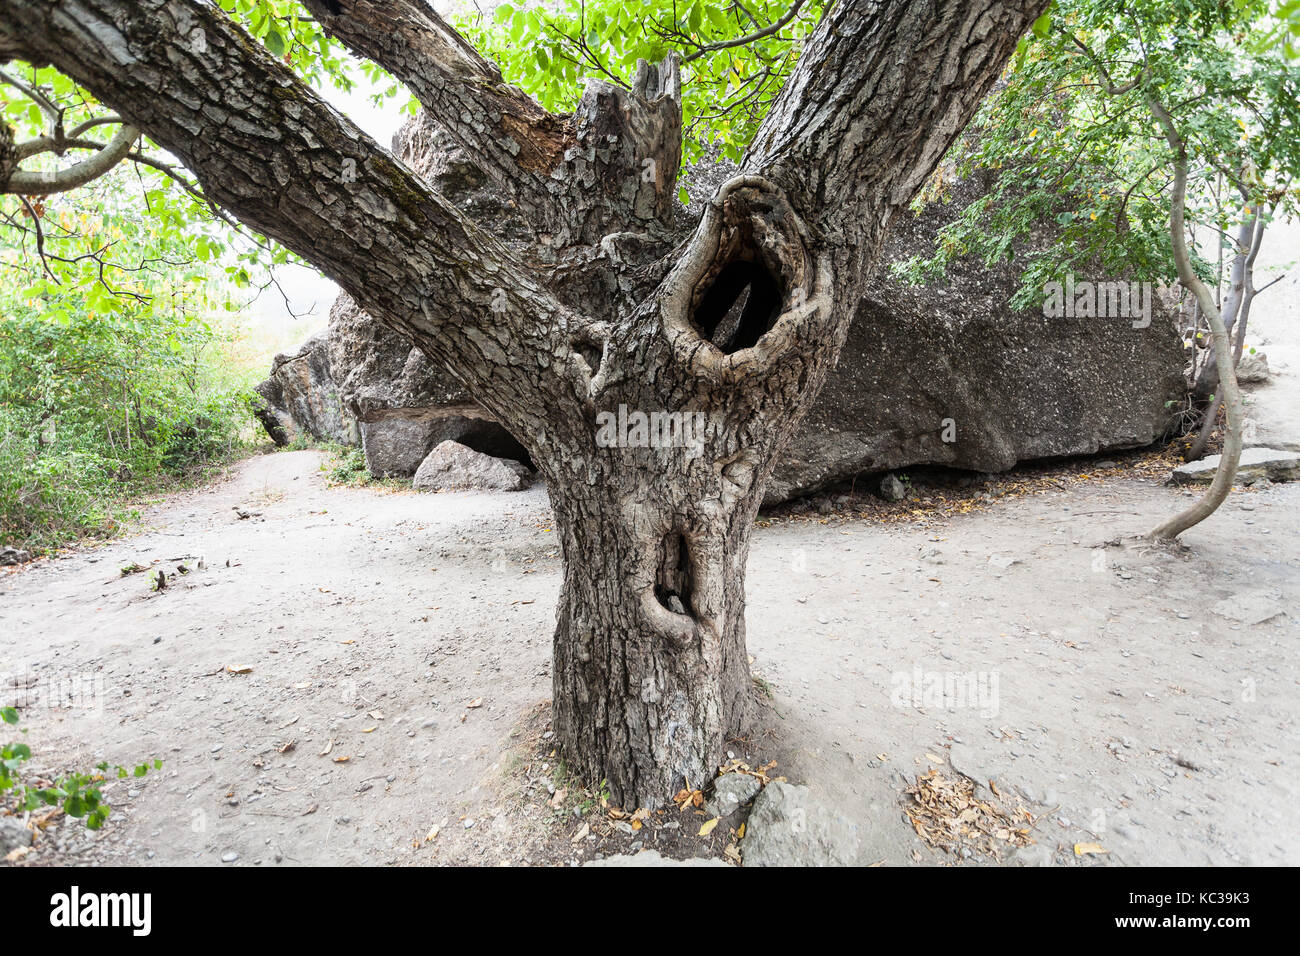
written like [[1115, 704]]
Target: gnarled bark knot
[[750, 288], [651, 669]]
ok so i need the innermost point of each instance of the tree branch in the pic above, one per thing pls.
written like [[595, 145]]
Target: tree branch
[[269, 150], [774, 27], [51, 181], [881, 90], [514, 139]]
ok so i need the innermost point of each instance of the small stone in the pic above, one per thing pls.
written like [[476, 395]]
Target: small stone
[[230, 856], [788, 827], [730, 792], [11, 556], [891, 489]]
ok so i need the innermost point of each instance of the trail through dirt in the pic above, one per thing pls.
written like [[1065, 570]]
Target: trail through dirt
[[349, 668]]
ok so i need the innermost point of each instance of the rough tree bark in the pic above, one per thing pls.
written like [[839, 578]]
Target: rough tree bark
[[613, 302]]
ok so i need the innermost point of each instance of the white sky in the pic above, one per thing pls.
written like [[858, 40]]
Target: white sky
[[310, 294]]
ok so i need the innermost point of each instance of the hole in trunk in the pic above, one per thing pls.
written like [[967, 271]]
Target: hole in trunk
[[674, 584], [590, 354], [742, 304]]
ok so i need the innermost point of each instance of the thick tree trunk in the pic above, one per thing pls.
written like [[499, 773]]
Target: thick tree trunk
[[650, 668], [610, 309]]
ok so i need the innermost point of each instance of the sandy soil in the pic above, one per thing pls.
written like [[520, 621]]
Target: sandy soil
[[1120, 700]]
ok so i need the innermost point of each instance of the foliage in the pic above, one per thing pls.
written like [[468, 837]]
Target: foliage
[[120, 232], [104, 386], [727, 85], [1071, 137], [346, 466], [77, 793]]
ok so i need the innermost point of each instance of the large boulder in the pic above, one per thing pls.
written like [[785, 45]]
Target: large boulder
[[950, 374], [404, 404], [945, 374], [300, 398], [452, 465]]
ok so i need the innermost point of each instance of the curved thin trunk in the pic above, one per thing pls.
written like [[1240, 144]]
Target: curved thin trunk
[[1229, 391]]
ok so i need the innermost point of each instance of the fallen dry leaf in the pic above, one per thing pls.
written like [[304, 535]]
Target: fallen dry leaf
[[1089, 849], [46, 817], [707, 826], [239, 668]]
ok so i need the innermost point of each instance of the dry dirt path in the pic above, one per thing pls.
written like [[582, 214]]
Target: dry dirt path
[[1116, 688]]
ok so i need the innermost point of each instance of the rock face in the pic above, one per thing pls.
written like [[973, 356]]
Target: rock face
[[949, 374], [945, 374], [1255, 463], [789, 828], [453, 465], [302, 399]]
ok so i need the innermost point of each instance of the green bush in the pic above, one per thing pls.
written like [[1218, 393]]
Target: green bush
[[95, 407]]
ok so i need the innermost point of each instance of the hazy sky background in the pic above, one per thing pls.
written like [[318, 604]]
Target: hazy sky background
[[310, 294]]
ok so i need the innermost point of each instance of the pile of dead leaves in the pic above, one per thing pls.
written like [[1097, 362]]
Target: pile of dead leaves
[[946, 815]]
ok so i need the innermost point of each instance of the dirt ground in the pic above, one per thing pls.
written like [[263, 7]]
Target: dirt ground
[[393, 660]]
